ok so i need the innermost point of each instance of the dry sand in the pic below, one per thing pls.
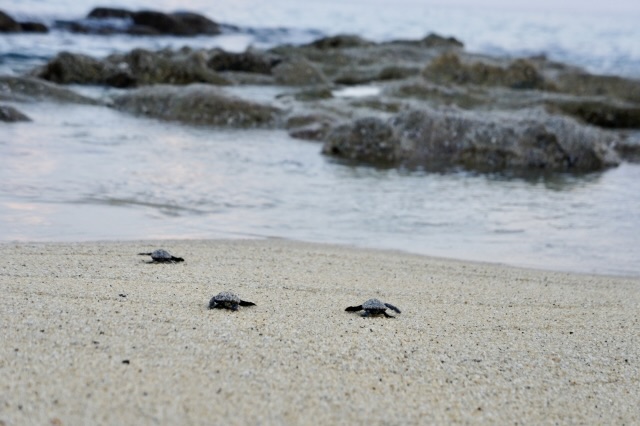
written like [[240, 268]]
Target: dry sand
[[93, 335]]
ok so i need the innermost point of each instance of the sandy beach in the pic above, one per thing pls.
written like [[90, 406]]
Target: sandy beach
[[91, 334]]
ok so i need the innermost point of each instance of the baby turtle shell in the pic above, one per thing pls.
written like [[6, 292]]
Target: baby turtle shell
[[374, 307], [227, 300], [162, 256]]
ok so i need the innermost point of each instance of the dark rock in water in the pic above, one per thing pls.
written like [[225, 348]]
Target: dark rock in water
[[599, 113], [298, 72], [629, 147], [249, 61], [34, 27], [139, 67], [197, 24], [313, 127], [107, 20], [71, 68], [448, 68], [437, 140], [583, 84], [432, 41], [180, 24], [168, 68], [9, 114], [8, 24], [340, 42], [197, 104], [26, 89], [109, 12], [435, 40]]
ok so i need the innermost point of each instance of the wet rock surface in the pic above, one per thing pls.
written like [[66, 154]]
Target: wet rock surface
[[442, 140], [106, 20], [428, 103], [197, 104], [9, 114], [29, 89], [9, 25]]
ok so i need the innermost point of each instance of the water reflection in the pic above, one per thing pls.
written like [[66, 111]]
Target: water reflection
[[148, 179]]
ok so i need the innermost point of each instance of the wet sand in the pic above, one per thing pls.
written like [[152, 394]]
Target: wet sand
[[91, 334]]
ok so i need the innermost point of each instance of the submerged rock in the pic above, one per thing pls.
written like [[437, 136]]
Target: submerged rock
[[27, 89], [437, 140], [9, 114], [197, 104]]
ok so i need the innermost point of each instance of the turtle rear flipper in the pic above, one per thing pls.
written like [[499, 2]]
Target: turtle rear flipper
[[245, 303], [354, 308], [390, 306]]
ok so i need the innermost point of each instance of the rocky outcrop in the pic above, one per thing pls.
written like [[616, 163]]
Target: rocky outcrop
[[109, 13], [340, 41], [520, 74], [489, 124], [179, 23], [250, 61], [441, 140], [139, 67], [197, 104], [10, 25], [606, 114], [9, 114], [105, 20], [71, 68], [314, 127], [298, 72], [28, 89]]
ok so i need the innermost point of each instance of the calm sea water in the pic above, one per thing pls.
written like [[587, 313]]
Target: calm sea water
[[79, 173]]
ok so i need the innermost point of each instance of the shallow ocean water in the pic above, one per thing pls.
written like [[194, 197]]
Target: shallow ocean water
[[81, 173], [84, 173]]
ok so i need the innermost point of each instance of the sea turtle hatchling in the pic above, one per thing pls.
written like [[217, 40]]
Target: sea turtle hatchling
[[374, 307], [162, 256], [227, 300]]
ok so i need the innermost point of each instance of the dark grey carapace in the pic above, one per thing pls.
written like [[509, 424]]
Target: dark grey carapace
[[162, 256], [227, 300], [374, 307]]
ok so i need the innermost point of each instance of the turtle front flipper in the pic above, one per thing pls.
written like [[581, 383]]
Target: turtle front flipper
[[354, 308], [176, 259], [387, 315], [245, 303], [144, 254], [390, 306]]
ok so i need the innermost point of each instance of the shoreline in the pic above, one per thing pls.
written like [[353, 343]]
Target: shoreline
[[244, 237], [475, 342]]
